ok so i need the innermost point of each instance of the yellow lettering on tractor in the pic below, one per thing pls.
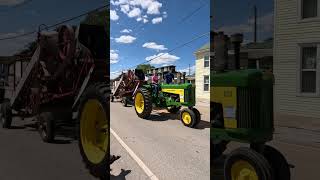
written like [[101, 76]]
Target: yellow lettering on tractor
[[180, 92], [227, 96]]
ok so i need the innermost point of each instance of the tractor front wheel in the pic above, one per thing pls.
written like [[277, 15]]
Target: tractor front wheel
[[245, 163], [6, 114], [46, 126], [143, 103], [278, 162], [188, 117], [93, 116]]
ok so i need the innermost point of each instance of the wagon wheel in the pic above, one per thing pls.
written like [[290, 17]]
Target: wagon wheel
[[46, 126], [93, 115], [6, 114]]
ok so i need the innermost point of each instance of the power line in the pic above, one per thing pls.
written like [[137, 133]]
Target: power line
[[183, 19], [178, 47], [192, 13], [57, 24]]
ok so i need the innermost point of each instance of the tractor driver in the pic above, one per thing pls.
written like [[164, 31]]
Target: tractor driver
[[154, 83], [169, 77]]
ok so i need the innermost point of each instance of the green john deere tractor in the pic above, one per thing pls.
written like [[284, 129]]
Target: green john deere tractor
[[242, 111], [170, 96]]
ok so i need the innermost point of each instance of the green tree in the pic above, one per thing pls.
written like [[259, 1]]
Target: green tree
[[99, 18], [145, 67], [28, 50]]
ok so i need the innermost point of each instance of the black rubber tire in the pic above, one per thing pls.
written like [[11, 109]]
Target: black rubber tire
[[193, 115], [147, 98], [100, 92], [261, 165], [46, 127], [6, 114], [125, 102], [174, 109], [278, 162], [198, 114]]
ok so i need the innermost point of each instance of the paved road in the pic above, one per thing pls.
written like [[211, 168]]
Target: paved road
[[24, 156], [300, 147], [168, 149]]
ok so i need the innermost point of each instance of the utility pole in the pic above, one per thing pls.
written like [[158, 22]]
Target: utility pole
[[255, 23], [189, 70]]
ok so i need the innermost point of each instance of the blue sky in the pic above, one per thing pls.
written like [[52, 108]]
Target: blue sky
[[154, 27], [234, 16], [20, 16]]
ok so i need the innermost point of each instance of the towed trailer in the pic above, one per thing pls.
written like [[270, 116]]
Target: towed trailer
[[66, 81]]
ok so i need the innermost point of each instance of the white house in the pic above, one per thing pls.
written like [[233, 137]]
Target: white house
[[297, 57], [202, 74]]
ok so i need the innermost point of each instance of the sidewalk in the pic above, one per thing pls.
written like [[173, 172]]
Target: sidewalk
[[297, 130]]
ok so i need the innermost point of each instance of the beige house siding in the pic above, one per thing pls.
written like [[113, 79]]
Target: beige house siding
[[201, 71], [289, 33]]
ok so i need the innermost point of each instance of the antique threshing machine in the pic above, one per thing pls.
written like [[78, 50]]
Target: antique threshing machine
[[242, 111], [66, 82]]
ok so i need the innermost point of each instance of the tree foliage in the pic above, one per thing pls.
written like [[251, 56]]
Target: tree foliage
[[145, 67]]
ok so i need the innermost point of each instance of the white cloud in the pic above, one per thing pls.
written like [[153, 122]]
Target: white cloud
[[11, 2], [126, 31], [186, 70], [114, 74], [154, 7], [162, 58], [139, 8], [165, 15], [114, 56], [153, 45], [157, 20], [125, 8], [125, 39], [134, 12], [119, 2], [113, 15]]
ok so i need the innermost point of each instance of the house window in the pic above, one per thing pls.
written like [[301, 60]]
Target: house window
[[309, 8], [206, 61], [205, 83], [309, 69]]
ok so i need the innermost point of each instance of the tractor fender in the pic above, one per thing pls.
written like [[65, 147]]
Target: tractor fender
[[83, 87]]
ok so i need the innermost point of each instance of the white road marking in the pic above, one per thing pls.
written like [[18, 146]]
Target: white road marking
[[135, 157]]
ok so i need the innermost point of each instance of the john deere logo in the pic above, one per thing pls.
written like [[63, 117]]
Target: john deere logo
[[227, 94]]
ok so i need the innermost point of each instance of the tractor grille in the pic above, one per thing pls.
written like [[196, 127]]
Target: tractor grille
[[254, 108]]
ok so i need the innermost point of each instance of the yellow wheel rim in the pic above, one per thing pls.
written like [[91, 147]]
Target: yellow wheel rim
[[94, 131], [186, 117], [139, 102], [242, 170]]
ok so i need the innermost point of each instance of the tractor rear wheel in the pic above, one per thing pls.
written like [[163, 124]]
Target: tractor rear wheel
[[93, 116], [278, 162], [173, 109], [188, 117], [46, 126], [143, 103], [6, 114], [245, 163]]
